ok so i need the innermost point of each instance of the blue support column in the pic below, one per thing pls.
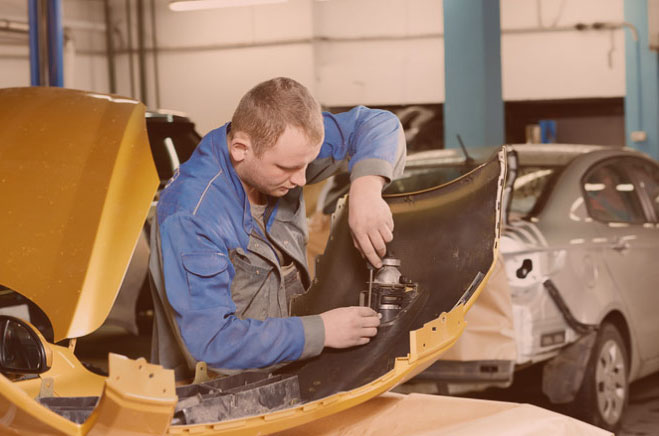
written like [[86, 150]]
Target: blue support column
[[46, 42], [33, 19], [473, 107], [642, 83], [55, 43]]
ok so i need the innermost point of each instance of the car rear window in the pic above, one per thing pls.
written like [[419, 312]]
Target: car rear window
[[611, 195]]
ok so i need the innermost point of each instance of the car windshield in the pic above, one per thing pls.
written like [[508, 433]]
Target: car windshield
[[418, 179]]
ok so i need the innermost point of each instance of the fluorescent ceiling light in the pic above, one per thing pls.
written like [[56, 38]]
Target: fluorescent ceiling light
[[197, 5]]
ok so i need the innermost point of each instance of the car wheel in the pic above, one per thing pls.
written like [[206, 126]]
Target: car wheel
[[604, 391]]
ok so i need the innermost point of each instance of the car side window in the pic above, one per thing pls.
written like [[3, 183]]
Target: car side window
[[648, 179], [611, 196]]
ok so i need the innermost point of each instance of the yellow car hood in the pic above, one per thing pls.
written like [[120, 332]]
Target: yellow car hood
[[76, 182]]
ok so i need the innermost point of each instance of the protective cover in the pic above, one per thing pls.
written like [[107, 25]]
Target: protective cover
[[490, 332], [430, 415]]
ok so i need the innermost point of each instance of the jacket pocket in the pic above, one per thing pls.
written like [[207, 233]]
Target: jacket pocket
[[251, 288], [206, 281]]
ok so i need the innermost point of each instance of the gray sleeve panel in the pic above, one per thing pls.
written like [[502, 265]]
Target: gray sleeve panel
[[314, 336], [401, 154], [379, 167], [372, 167]]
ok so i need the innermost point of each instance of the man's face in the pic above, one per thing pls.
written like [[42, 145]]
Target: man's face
[[280, 168]]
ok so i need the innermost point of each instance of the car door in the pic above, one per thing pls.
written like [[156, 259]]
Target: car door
[[630, 242]]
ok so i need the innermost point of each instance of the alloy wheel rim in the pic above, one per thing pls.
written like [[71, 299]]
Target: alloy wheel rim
[[610, 383]]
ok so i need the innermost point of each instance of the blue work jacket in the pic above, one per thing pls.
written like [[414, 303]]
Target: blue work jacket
[[222, 279]]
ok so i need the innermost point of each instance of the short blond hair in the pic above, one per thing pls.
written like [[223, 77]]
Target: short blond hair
[[265, 111]]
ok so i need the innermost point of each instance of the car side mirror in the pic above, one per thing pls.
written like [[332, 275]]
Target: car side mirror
[[23, 350]]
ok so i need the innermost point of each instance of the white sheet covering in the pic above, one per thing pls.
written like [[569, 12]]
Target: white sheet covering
[[428, 415]]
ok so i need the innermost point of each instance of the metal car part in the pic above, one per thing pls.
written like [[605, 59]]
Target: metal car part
[[437, 245], [562, 375], [391, 290]]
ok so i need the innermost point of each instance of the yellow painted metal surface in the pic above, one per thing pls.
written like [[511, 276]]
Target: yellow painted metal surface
[[21, 415], [139, 399], [70, 378], [76, 182]]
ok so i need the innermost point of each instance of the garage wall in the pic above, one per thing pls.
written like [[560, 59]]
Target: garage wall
[[209, 59], [379, 52], [374, 52], [14, 57], [543, 60], [85, 65]]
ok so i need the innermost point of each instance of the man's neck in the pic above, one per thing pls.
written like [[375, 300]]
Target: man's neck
[[254, 196]]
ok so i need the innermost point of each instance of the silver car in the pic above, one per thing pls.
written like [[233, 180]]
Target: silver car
[[579, 249]]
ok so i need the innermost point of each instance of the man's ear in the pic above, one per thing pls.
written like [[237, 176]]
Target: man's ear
[[239, 146]]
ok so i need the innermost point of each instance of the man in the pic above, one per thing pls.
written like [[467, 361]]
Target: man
[[228, 246]]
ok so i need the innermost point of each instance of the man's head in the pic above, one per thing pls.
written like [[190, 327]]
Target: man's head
[[276, 131]]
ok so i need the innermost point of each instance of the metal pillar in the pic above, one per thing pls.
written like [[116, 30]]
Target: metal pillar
[[141, 48], [55, 43], [642, 83], [46, 43], [109, 46], [473, 107]]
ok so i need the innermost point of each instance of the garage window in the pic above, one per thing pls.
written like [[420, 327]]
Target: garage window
[[611, 196]]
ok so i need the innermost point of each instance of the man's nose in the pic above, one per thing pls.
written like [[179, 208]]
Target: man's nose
[[299, 178]]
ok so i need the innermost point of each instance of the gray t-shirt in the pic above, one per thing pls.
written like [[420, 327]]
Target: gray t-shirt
[[289, 272]]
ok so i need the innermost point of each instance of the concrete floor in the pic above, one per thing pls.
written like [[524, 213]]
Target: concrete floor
[[641, 417]]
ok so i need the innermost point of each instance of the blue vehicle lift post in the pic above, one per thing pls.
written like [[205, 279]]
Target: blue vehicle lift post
[[642, 82], [473, 106], [46, 43]]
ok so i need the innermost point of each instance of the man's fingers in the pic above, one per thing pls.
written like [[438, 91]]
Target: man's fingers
[[390, 223], [349, 326], [365, 312], [386, 234], [366, 247], [378, 242], [371, 321], [369, 332]]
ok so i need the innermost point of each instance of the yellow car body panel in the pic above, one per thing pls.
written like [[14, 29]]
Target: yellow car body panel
[[66, 245], [133, 403], [83, 233]]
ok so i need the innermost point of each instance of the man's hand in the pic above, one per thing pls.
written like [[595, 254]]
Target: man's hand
[[349, 326], [370, 218]]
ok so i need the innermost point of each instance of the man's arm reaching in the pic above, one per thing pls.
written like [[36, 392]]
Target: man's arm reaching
[[372, 143]]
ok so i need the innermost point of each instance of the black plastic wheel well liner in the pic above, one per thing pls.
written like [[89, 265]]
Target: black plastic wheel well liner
[[445, 236]]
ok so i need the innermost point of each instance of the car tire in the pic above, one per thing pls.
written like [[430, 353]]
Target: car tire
[[604, 392]]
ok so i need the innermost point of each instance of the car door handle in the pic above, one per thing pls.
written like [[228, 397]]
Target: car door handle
[[620, 246]]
